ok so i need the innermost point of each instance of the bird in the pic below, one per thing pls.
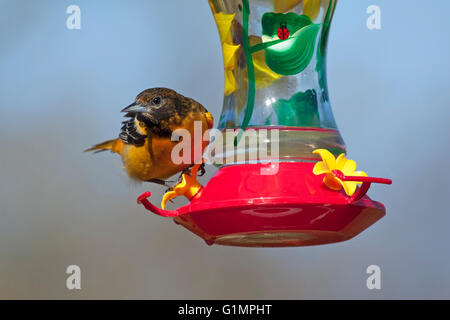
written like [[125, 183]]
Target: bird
[[145, 142]]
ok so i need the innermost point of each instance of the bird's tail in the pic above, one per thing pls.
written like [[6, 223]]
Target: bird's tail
[[114, 145]]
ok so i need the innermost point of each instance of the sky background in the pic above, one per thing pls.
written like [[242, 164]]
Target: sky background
[[61, 91]]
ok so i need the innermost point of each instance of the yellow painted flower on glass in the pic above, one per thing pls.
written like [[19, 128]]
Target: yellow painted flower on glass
[[263, 75], [224, 22], [311, 8]]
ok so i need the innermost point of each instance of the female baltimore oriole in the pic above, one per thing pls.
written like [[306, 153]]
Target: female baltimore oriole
[[145, 143]]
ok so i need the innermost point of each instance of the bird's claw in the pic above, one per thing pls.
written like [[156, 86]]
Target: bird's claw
[[161, 182], [201, 170], [186, 171]]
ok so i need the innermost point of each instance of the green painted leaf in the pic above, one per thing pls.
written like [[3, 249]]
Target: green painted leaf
[[271, 22], [290, 56], [300, 110]]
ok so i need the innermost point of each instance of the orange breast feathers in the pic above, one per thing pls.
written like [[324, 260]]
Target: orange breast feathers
[[154, 160]]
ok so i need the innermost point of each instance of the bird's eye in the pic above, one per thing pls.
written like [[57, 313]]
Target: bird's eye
[[156, 100]]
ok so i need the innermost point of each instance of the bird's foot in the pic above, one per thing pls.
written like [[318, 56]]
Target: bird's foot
[[161, 182], [185, 171], [201, 170]]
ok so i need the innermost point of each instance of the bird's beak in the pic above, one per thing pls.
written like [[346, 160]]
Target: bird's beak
[[134, 108]]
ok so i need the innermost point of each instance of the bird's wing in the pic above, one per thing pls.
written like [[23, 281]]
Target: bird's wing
[[129, 135]]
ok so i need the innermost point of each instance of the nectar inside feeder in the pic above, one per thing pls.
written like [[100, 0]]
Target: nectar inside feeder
[[294, 186]]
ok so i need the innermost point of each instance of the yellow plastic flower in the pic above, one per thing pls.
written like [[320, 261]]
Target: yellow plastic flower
[[332, 167], [188, 187], [311, 8]]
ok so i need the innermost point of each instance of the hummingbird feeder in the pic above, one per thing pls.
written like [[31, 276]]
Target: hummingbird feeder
[[283, 177]]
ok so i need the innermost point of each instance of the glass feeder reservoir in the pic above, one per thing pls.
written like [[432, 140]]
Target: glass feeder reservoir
[[275, 75]]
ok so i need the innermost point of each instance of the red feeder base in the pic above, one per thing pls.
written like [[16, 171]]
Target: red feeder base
[[241, 207]]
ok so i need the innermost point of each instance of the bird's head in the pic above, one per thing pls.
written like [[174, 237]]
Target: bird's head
[[152, 106]]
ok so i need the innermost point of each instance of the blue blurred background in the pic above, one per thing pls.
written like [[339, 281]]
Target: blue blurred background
[[61, 90]]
